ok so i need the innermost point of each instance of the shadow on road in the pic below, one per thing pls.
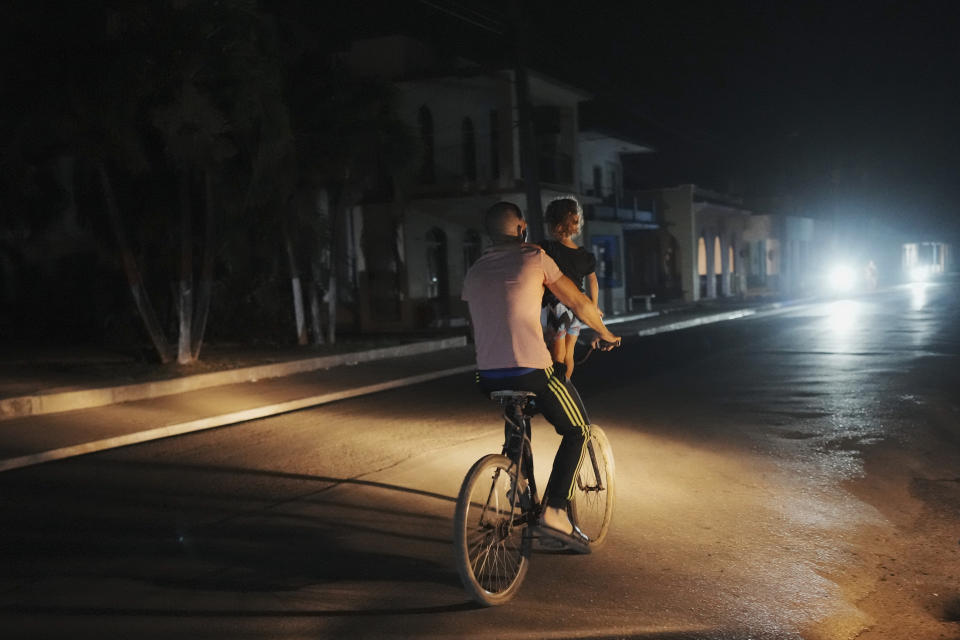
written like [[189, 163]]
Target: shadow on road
[[163, 539]]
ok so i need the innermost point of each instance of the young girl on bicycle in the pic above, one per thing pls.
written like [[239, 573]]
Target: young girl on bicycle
[[564, 218]]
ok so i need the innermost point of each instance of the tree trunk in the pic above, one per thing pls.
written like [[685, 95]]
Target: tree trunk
[[332, 306], [206, 270], [185, 306], [316, 323], [332, 286], [140, 297], [319, 206], [294, 282], [299, 315], [353, 245]]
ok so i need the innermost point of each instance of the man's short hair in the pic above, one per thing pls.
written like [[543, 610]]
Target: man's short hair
[[499, 219]]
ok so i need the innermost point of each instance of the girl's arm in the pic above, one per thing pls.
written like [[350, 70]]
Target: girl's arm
[[593, 288]]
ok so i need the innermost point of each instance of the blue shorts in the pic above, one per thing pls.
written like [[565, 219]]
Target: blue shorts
[[558, 321]]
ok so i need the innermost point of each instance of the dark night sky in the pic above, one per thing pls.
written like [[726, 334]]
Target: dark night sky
[[853, 103]]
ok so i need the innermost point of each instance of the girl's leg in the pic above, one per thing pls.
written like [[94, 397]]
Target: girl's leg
[[570, 347], [558, 349]]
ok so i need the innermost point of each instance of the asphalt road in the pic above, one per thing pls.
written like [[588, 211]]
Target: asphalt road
[[785, 476]]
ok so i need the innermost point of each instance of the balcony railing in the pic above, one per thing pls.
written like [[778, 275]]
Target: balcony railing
[[625, 206]]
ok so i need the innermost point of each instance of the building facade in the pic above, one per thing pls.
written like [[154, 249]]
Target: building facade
[[412, 252], [780, 254], [621, 228], [706, 231]]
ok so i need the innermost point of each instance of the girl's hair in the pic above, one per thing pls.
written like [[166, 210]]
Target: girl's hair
[[564, 217]]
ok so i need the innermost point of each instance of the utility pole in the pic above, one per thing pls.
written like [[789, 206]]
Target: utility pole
[[528, 141]]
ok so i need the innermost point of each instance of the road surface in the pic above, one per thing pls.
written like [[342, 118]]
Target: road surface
[[793, 475]]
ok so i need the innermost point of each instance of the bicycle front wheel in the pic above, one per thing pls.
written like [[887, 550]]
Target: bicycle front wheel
[[491, 538], [595, 491]]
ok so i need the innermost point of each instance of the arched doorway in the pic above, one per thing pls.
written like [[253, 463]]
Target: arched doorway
[[702, 265], [438, 280], [734, 286], [717, 267]]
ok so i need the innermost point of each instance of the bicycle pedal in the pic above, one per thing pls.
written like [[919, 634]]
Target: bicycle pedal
[[550, 544]]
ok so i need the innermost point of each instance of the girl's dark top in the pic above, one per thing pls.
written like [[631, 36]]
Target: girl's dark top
[[574, 263]]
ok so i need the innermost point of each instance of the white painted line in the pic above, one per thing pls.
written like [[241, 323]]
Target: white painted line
[[221, 420]]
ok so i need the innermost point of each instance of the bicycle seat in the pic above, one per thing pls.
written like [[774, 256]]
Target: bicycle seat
[[511, 396]]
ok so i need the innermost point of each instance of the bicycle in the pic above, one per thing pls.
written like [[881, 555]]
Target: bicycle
[[498, 506]]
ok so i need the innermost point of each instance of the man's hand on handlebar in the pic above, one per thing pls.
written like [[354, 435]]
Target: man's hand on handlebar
[[605, 344]]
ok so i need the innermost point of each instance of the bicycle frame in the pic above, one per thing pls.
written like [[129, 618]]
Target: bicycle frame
[[515, 416], [498, 509]]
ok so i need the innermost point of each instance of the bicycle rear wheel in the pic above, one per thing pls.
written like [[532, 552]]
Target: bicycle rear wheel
[[491, 538], [593, 497]]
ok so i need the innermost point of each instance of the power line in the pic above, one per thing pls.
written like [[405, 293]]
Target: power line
[[495, 27], [497, 22]]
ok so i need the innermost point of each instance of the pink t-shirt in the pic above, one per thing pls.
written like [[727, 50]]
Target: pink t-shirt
[[503, 290]]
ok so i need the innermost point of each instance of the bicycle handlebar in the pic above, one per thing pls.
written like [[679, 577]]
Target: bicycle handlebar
[[604, 345], [600, 344]]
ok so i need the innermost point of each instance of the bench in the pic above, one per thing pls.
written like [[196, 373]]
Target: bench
[[647, 300]]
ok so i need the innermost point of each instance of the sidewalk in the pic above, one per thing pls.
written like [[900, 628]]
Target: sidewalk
[[55, 406]]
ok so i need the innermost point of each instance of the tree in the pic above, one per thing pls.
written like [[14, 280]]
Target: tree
[[192, 90], [348, 141], [222, 96]]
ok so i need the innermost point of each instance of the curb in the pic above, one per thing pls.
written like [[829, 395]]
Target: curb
[[223, 420], [696, 322], [39, 404], [769, 309], [762, 309], [632, 317]]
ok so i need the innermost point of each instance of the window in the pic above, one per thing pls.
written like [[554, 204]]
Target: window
[[469, 145], [437, 281], [597, 181], [427, 174]]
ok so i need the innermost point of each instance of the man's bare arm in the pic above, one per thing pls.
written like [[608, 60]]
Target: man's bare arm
[[582, 306]]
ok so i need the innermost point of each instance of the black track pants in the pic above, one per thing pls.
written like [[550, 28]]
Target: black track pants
[[560, 404]]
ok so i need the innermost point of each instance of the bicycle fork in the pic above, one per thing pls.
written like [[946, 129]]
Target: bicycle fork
[[596, 472]]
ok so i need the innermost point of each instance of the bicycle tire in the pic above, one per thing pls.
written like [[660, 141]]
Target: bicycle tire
[[492, 553], [594, 495]]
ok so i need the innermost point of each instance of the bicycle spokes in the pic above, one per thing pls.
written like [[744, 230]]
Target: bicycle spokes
[[491, 543]]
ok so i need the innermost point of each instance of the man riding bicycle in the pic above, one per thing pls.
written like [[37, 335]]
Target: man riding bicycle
[[503, 290]]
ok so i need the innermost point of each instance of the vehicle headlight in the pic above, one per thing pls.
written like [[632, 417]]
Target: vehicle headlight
[[842, 278]]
